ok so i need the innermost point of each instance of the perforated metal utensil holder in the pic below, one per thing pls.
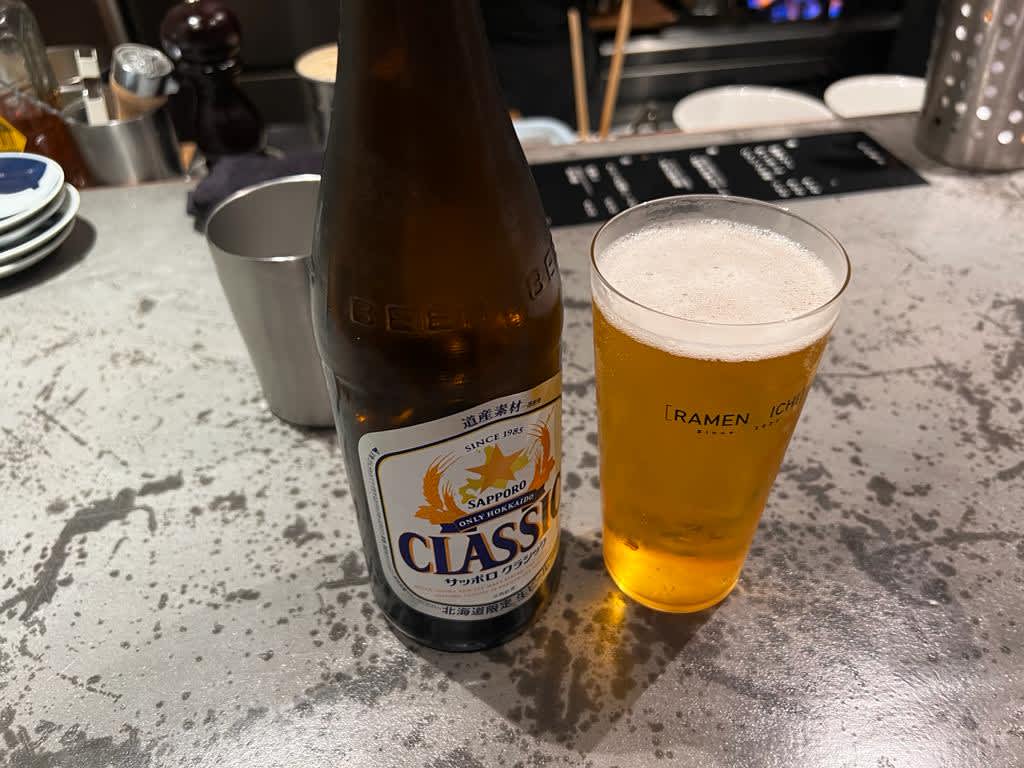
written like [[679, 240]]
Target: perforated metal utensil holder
[[973, 116]]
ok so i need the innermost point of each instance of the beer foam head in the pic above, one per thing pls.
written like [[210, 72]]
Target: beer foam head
[[723, 290]]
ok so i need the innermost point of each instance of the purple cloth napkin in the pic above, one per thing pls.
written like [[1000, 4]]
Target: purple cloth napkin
[[231, 174]]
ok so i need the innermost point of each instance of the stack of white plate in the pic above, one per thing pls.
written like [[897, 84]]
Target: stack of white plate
[[732, 107], [866, 95], [37, 210]]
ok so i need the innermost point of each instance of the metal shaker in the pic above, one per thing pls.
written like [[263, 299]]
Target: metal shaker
[[973, 116], [141, 79]]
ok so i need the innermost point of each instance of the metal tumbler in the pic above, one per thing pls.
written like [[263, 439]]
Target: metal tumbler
[[317, 68], [973, 116], [261, 239], [125, 152]]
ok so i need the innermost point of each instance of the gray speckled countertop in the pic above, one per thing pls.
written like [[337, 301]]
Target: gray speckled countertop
[[181, 581]]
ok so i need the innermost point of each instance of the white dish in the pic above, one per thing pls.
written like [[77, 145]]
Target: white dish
[[27, 184], [319, 64], [533, 131], [14, 236], [875, 95], [37, 256], [746, 106], [64, 216]]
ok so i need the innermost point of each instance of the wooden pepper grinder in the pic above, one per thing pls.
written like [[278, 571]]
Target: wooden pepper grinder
[[203, 38]]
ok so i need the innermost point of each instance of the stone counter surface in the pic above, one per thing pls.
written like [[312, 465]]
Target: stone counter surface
[[181, 579]]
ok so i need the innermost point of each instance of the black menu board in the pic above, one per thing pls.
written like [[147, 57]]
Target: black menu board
[[594, 189]]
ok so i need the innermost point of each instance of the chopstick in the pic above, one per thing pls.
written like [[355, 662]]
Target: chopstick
[[579, 80], [611, 94]]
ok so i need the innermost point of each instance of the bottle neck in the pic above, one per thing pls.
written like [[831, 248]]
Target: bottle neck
[[426, 61], [419, 120]]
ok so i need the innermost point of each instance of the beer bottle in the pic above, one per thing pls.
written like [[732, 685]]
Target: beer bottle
[[437, 308]]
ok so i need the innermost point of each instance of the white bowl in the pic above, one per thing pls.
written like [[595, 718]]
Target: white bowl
[[60, 220], [875, 95], [34, 258], [20, 233], [544, 131], [746, 106], [25, 193], [318, 65]]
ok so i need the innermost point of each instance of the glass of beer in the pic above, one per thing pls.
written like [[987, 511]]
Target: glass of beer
[[710, 316]]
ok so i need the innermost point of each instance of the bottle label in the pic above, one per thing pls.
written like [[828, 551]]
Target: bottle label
[[465, 508], [11, 139]]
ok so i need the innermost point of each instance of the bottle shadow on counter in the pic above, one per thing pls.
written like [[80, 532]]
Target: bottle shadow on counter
[[78, 245], [326, 435], [583, 663]]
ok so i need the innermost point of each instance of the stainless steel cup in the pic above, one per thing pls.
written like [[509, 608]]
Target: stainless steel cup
[[124, 152], [319, 88], [321, 95], [261, 238]]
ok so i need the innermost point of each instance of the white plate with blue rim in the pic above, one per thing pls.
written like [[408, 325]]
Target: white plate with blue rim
[[42, 253], [26, 230], [28, 183], [55, 225]]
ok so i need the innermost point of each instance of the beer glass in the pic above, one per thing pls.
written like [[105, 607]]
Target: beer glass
[[711, 314]]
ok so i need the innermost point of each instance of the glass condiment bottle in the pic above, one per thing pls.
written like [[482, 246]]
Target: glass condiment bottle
[[30, 118]]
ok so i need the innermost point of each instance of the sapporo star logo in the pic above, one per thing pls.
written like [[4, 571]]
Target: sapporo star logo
[[497, 471]]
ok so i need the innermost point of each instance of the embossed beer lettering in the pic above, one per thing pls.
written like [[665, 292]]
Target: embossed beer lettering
[[437, 308]]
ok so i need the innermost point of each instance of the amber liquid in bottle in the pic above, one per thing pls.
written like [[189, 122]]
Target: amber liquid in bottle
[[435, 285], [45, 133]]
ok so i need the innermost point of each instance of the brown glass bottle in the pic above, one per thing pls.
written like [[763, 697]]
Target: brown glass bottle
[[437, 306]]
